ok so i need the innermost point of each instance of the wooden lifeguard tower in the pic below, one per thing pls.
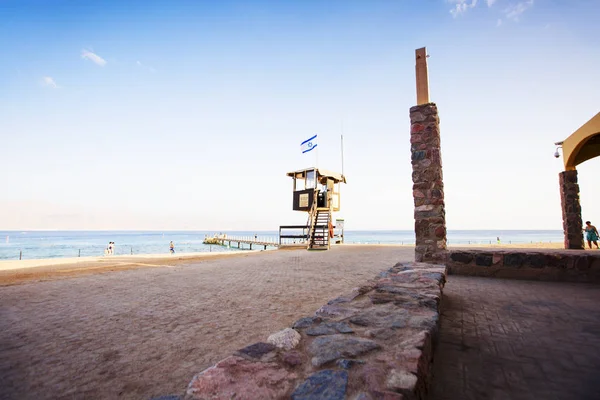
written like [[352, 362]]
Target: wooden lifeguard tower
[[317, 192]]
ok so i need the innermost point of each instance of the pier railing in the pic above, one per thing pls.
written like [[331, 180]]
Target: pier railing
[[290, 234], [232, 241]]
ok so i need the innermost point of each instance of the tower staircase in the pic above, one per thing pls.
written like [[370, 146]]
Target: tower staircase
[[319, 223]]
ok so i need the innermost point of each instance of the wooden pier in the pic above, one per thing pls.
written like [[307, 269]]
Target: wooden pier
[[290, 236], [249, 240]]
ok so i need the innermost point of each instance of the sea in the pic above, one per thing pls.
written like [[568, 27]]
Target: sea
[[15, 245]]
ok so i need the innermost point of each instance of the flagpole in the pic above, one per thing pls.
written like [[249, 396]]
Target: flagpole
[[342, 147]]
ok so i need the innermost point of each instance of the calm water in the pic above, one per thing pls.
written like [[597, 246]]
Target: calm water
[[52, 244]]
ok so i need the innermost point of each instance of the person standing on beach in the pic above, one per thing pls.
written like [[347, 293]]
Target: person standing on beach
[[172, 247], [110, 248], [591, 234]]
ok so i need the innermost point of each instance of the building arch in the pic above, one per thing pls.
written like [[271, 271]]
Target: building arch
[[583, 144], [580, 146]]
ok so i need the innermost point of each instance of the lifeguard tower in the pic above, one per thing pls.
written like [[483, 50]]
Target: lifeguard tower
[[317, 192]]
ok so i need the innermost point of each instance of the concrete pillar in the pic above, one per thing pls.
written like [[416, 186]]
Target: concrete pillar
[[571, 210], [428, 185]]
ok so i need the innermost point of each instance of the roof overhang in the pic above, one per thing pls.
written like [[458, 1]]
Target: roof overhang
[[337, 177]]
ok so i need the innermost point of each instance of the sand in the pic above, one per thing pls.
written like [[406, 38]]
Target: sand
[[146, 331], [141, 326], [19, 271], [503, 246]]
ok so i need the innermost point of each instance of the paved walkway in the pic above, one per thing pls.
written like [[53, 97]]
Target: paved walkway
[[146, 332], [508, 339]]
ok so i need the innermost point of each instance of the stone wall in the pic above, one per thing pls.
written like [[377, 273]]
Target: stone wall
[[375, 342], [428, 185], [571, 210], [561, 265]]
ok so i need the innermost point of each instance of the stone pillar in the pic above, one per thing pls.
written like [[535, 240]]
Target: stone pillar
[[428, 185], [571, 210]]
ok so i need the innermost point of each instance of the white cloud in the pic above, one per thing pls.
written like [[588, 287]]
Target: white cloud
[[461, 6], [514, 11], [50, 82], [95, 58], [146, 67]]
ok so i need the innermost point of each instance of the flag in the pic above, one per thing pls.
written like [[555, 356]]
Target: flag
[[308, 144]]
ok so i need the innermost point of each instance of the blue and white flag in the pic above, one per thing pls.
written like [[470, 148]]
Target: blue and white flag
[[308, 144]]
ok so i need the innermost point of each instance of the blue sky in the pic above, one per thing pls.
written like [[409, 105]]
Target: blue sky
[[187, 114]]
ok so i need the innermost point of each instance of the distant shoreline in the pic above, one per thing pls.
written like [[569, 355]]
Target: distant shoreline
[[14, 272], [6, 265]]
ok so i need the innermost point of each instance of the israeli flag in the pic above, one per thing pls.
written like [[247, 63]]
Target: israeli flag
[[308, 144]]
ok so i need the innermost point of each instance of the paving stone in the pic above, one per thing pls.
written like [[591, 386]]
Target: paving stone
[[511, 339]]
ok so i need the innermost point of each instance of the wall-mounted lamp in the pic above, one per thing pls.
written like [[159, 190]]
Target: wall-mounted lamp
[[558, 146]]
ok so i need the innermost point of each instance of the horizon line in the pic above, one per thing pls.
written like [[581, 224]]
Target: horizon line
[[250, 230]]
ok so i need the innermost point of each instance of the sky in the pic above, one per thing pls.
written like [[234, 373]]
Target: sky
[[169, 115]]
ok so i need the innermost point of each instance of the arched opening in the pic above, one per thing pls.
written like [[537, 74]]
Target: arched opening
[[581, 146], [587, 149]]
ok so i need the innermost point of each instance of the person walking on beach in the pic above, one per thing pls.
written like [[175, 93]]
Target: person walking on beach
[[591, 234], [172, 247]]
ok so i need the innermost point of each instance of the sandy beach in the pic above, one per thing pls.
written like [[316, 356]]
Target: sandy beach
[[19, 271], [141, 326], [538, 245], [145, 331]]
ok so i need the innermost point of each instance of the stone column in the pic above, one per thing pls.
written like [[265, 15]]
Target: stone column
[[428, 185], [571, 210]]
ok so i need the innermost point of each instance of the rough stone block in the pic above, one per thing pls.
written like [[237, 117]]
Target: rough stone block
[[418, 155], [538, 265], [286, 339], [514, 259], [258, 351], [416, 128], [323, 385], [484, 259], [325, 349], [536, 260], [235, 376], [462, 257]]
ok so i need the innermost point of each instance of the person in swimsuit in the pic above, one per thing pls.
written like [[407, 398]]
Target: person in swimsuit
[[591, 234], [172, 247]]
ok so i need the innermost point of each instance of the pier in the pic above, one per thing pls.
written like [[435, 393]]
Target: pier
[[249, 240], [290, 236]]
